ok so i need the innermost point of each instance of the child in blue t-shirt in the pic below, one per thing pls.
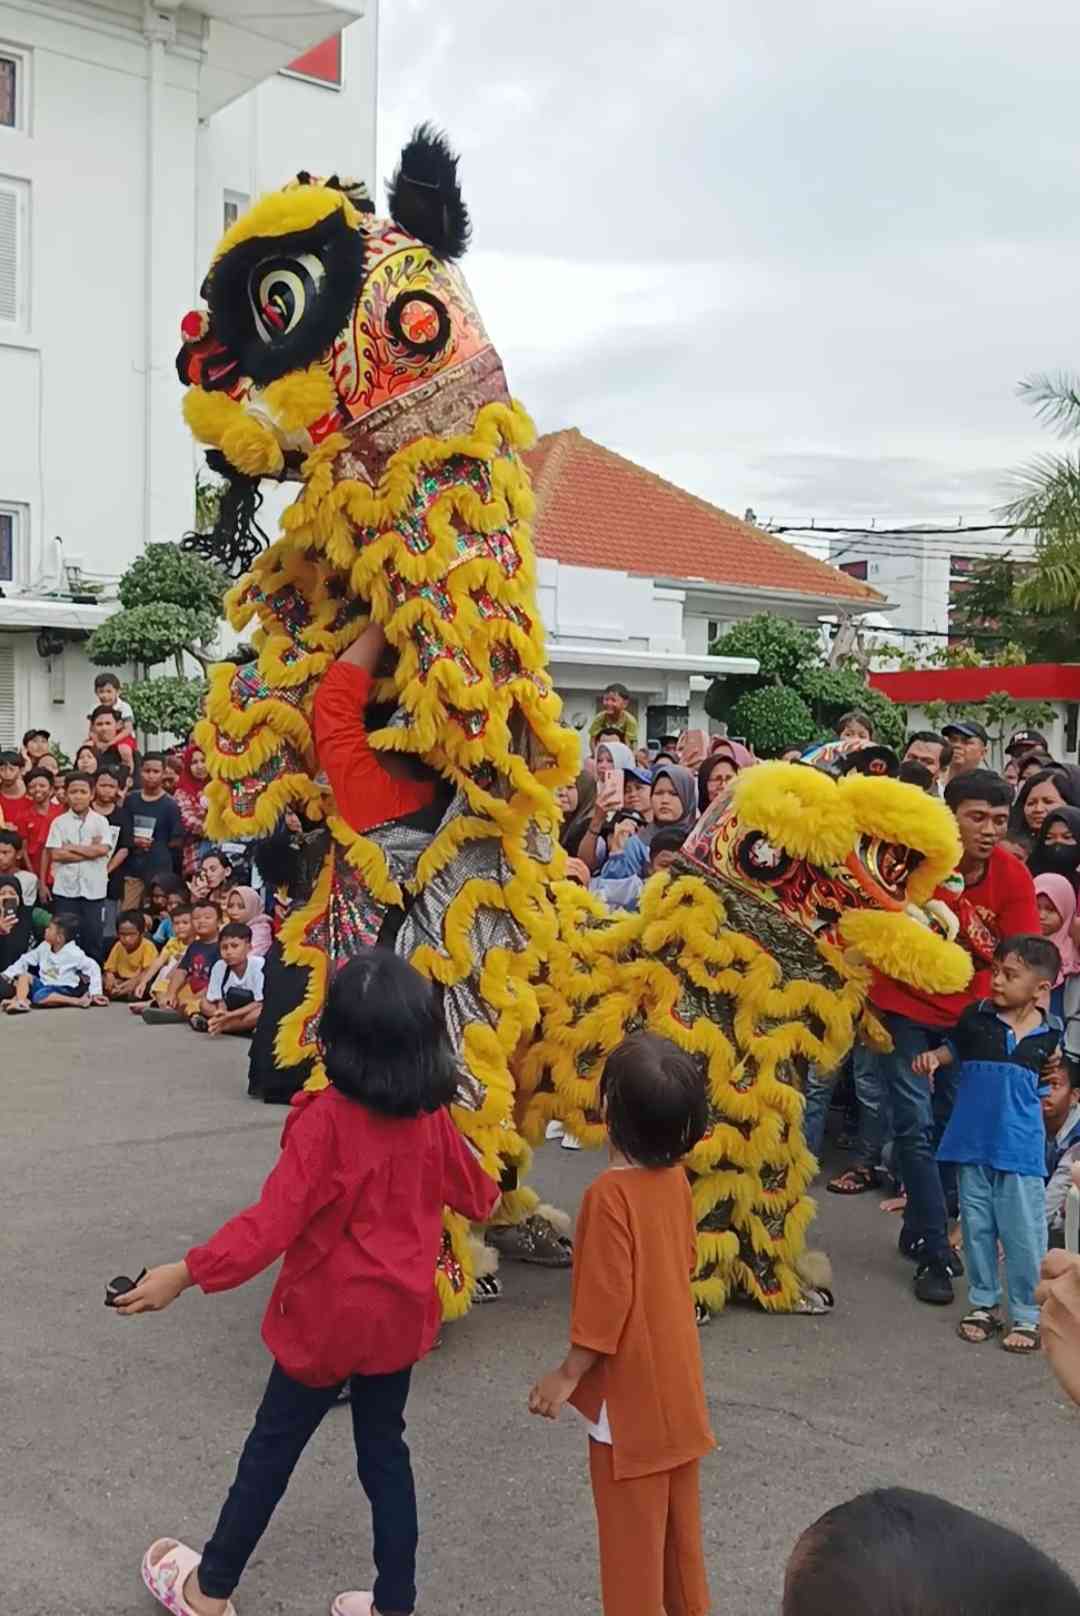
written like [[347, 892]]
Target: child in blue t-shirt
[[997, 1138]]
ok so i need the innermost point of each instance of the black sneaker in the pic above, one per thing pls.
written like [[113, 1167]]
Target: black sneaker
[[933, 1284], [915, 1251]]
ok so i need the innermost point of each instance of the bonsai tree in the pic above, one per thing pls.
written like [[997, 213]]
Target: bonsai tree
[[170, 608]]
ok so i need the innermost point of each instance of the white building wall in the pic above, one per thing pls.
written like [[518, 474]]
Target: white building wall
[[77, 416]]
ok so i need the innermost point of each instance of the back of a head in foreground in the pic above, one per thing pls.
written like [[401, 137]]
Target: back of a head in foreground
[[384, 1037], [903, 1553], [654, 1100]]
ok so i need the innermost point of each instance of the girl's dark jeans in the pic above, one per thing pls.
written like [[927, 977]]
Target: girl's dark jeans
[[289, 1415]]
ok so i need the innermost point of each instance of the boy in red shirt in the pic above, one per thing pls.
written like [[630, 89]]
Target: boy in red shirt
[[998, 901], [37, 815]]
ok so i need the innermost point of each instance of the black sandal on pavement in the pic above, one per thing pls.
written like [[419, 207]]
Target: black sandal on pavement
[[1029, 1339], [981, 1324], [855, 1181]]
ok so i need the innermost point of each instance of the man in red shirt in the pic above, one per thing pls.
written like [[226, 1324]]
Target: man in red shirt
[[998, 901]]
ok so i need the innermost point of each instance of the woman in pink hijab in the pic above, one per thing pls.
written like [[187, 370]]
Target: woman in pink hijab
[[245, 905], [1057, 915]]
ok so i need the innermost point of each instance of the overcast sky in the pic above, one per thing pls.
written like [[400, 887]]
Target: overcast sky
[[790, 256]]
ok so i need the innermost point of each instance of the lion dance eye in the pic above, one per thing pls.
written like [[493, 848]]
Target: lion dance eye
[[281, 290], [419, 322]]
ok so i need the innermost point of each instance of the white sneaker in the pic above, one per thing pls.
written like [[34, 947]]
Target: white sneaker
[[569, 1142], [554, 1129], [352, 1604]]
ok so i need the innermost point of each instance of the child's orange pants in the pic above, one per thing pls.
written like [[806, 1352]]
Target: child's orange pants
[[651, 1558]]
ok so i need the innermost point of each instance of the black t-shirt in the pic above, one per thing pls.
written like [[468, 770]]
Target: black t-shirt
[[120, 836], [163, 816], [198, 961]]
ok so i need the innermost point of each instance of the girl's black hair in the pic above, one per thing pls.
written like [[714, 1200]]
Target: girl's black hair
[[384, 1038], [656, 1107], [903, 1553]]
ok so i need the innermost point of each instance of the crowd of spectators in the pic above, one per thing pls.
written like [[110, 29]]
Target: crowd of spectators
[[110, 890], [968, 1167]]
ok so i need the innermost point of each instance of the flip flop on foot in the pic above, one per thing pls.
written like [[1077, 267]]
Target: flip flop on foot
[[1021, 1339], [979, 1325], [167, 1565], [856, 1181], [15, 1007]]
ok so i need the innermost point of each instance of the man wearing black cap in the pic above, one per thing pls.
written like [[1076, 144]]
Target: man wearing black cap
[[1025, 741], [969, 742]]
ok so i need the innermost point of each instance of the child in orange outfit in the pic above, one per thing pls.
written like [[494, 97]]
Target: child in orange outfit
[[634, 1365]]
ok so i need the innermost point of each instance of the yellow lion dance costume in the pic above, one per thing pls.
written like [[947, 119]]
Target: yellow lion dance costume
[[344, 351]]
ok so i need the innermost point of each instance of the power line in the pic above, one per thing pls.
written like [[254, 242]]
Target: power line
[[906, 532]]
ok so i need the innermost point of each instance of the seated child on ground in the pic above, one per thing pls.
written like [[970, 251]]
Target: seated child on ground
[[189, 980], [54, 975], [358, 1192], [1061, 1116], [997, 1139], [132, 958], [634, 1365], [168, 958], [234, 998]]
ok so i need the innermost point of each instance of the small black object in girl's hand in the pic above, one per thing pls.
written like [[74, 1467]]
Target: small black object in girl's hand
[[120, 1286]]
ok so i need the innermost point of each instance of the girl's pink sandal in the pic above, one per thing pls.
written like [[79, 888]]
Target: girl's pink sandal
[[166, 1567]]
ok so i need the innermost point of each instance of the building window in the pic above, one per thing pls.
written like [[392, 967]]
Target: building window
[[14, 87], [13, 529], [322, 64], [14, 252], [9, 728], [855, 569], [236, 203]]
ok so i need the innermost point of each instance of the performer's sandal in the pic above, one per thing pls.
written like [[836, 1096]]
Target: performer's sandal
[[166, 1566], [979, 1325]]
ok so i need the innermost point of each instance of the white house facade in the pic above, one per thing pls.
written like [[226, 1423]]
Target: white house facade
[[130, 133]]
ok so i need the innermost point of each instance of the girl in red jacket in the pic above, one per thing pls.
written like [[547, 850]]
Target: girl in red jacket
[[355, 1204]]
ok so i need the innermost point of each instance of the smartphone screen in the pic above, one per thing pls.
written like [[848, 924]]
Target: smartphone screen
[[614, 783]]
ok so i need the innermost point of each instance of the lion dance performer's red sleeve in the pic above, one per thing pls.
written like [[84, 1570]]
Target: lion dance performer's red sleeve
[[366, 794]]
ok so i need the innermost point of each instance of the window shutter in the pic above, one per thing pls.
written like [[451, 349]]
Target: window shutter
[[7, 695], [9, 255]]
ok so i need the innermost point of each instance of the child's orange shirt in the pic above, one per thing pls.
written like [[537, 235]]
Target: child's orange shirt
[[634, 1253]]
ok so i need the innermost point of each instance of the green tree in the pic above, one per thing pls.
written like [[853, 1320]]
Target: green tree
[[170, 607], [992, 616], [1047, 499], [811, 696]]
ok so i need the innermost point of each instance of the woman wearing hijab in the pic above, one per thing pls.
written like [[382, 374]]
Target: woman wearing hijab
[[714, 776], [674, 807], [1057, 850], [243, 904], [16, 924], [190, 798], [1040, 793], [1057, 916], [576, 802]]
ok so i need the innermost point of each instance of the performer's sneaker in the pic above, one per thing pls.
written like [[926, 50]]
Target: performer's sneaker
[[487, 1288], [933, 1284], [554, 1129], [569, 1142]]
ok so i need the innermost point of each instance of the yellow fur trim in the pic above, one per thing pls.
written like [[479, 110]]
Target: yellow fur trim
[[899, 946], [300, 399], [279, 213], [799, 809], [905, 814], [222, 422]]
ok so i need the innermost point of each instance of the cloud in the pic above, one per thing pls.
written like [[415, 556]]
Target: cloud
[[793, 257]]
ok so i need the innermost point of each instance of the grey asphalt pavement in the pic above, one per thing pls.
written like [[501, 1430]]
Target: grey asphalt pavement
[[122, 1145]]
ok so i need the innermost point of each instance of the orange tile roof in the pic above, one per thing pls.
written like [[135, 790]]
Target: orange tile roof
[[596, 509]]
